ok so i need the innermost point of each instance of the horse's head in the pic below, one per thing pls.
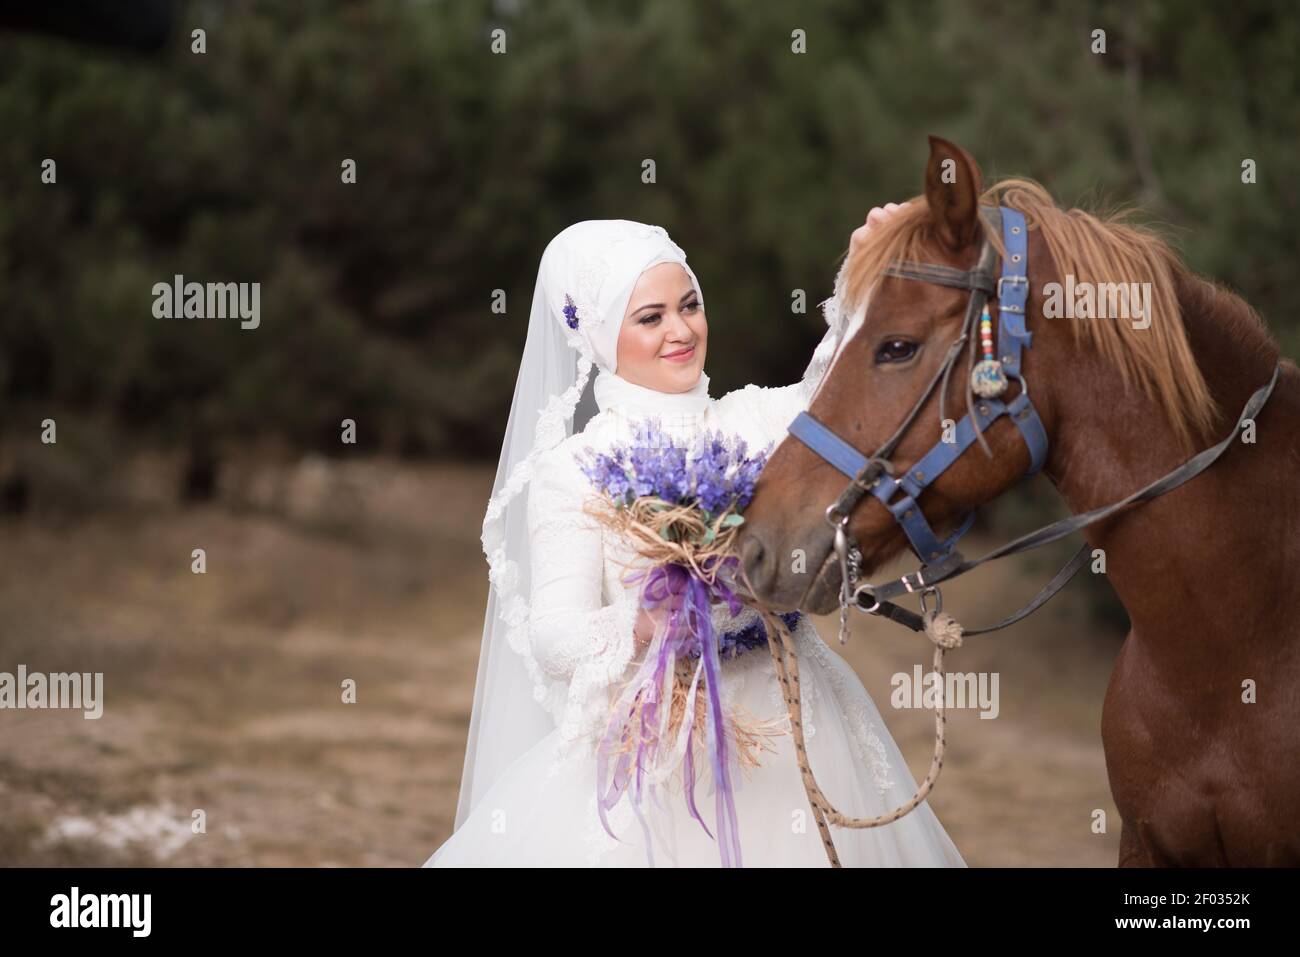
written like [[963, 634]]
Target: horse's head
[[895, 346]]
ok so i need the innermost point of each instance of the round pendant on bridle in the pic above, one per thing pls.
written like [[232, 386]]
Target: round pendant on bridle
[[988, 379]]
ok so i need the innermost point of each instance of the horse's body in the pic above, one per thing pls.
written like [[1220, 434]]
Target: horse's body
[[1210, 576], [1209, 573]]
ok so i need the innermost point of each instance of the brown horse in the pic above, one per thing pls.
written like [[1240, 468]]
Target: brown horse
[[1201, 721]]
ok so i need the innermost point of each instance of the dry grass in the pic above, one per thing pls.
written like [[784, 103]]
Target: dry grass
[[222, 691]]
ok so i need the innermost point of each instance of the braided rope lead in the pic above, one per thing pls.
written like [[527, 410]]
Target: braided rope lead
[[946, 634]]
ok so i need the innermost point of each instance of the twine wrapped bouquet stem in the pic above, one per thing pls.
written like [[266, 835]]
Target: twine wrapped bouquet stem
[[664, 534]]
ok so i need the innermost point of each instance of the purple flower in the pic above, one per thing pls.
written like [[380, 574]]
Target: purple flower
[[733, 643], [570, 312], [709, 472], [608, 473]]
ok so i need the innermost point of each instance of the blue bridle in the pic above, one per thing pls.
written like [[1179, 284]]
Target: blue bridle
[[871, 476]]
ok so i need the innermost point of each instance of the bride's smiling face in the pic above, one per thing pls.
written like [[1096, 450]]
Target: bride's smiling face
[[662, 341]]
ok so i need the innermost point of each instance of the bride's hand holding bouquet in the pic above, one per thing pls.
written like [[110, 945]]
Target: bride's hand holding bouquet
[[679, 505]]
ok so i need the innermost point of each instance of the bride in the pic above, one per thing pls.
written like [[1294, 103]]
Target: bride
[[564, 631]]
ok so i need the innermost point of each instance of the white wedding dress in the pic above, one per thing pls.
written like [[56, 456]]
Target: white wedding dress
[[542, 810]]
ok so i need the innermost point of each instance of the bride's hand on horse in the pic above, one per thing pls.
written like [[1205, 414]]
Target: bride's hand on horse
[[877, 215]]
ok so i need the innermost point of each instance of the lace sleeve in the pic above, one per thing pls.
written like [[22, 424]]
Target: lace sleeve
[[770, 408], [574, 637]]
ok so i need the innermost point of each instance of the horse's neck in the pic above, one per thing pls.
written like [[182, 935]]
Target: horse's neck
[[1197, 558]]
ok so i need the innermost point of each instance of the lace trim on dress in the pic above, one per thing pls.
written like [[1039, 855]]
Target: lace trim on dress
[[852, 703], [585, 708], [503, 573], [595, 838]]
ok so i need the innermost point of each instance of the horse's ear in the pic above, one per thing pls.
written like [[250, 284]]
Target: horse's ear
[[952, 189]]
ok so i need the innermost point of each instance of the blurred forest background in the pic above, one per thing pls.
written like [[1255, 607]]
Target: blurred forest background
[[376, 296], [225, 166]]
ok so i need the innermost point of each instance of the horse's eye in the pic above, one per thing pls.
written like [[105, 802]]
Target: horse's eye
[[895, 350]]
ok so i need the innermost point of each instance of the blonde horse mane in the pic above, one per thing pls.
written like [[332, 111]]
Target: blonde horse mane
[[1094, 249]]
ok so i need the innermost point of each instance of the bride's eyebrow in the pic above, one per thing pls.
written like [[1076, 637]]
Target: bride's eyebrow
[[659, 305]]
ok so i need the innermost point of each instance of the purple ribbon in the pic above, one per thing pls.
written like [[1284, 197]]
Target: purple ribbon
[[686, 598]]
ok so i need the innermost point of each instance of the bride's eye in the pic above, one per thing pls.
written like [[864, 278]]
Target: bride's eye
[[691, 306], [645, 319], [895, 350]]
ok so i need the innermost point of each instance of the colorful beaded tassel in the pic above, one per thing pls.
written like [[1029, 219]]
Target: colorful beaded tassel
[[987, 379]]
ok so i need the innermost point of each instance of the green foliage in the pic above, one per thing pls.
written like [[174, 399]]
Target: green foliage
[[376, 296]]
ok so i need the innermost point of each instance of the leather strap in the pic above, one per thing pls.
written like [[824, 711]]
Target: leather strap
[[1067, 526], [1013, 292], [944, 276], [912, 620]]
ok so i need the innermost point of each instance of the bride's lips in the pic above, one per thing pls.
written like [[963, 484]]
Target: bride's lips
[[681, 355]]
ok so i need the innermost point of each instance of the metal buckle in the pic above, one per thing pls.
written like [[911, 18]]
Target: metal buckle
[[1015, 279]]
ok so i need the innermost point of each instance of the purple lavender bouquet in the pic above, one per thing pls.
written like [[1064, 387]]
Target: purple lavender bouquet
[[679, 503]]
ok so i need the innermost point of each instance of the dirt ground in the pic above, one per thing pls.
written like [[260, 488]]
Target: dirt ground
[[223, 690]]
